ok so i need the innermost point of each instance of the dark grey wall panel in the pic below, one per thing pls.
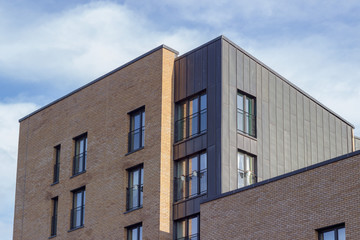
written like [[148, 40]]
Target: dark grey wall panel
[[182, 82], [190, 71], [198, 71], [177, 81]]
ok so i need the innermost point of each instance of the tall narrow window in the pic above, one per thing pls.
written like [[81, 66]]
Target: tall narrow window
[[134, 232], [79, 164], [78, 210], [135, 189], [336, 232], [190, 177], [57, 164], [246, 170], [137, 130], [54, 216], [191, 117], [188, 228], [246, 120]]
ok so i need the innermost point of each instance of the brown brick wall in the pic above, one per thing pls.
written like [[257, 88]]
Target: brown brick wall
[[290, 208], [101, 110]]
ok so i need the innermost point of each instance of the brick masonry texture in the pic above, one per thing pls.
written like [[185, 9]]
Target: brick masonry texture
[[101, 110], [290, 208]]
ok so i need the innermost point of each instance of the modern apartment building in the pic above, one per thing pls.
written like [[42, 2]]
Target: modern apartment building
[[167, 146]]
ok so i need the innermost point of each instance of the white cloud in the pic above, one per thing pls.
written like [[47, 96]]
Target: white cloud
[[9, 132]]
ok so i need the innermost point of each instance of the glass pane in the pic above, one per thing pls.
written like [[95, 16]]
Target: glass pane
[[329, 235], [140, 233], [203, 121], [193, 227], [241, 161], [194, 106], [240, 101], [180, 179], [240, 120], [203, 181], [341, 234], [193, 178], [203, 161], [143, 119], [193, 116], [180, 229], [134, 234], [180, 124], [135, 122], [203, 102], [241, 180]]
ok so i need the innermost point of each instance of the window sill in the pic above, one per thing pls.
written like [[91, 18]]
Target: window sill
[[189, 198], [190, 138], [52, 236], [246, 135], [77, 174], [54, 183], [73, 229], [134, 209], [134, 151]]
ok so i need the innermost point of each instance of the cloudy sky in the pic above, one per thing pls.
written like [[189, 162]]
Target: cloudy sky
[[49, 48]]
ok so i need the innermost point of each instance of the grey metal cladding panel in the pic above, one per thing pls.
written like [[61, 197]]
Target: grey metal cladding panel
[[240, 70], [182, 85], [233, 167], [232, 66], [300, 129], [344, 137], [357, 144], [265, 124], [252, 78], [272, 115], [211, 111], [190, 64], [204, 67], [280, 126], [258, 124], [211, 70], [246, 74], [313, 128], [287, 128], [265, 85], [307, 131], [190, 147], [198, 71], [326, 128], [225, 130], [320, 134], [350, 139], [293, 127], [212, 171], [332, 126], [177, 81]]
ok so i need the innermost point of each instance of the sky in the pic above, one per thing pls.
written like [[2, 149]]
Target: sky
[[49, 48]]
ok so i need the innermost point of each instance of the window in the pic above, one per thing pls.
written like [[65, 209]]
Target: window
[[54, 216], [191, 117], [336, 232], [135, 189], [57, 164], [134, 232], [137, 130], [190, 176], [246, 169], [78, 210], [79, 164], [246, 120], [188, 229]]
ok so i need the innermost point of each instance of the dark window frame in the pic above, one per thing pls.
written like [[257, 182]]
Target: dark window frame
[[137, 226], [56, 170], [186, 219], [55, 206], [187, 118], [75, 210], [81, 156], [139, 187], [141, 130], [188, 177], [248, 115], [254, 172], [334, 228]]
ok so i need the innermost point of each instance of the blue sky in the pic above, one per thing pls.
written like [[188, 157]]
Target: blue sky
[[49, 48]]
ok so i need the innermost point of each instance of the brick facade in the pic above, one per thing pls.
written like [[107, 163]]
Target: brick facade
[[101, 110], [292, 207]]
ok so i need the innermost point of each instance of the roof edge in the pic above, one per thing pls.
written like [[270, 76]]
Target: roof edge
[[285, 80], [100, 78], [286, 175]]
